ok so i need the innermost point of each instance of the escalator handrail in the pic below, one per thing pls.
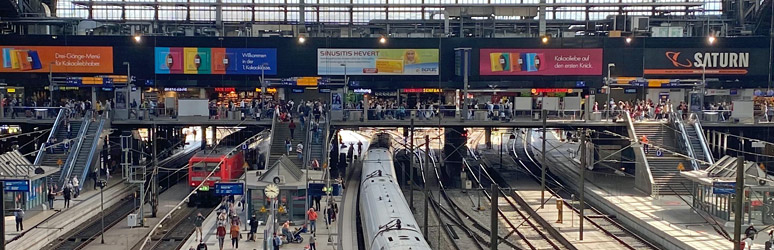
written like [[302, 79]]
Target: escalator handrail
[[699, 132], [92, 152], [74, 150], [51, 134]]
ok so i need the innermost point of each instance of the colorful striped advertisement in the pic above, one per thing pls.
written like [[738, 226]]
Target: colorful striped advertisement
[[219, 61]]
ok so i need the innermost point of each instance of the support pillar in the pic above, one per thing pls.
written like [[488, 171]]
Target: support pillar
[[155, 181], [739, 196], [454, 150], [493, 218], [204, 137], [214, 136], [488, 137], [365, 107]]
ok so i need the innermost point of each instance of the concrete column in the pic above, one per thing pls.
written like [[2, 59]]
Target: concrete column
[[204, 136], [542, 18], [214, 135], [365, 107], [488, 137], [454, 149], [202, 93], [93, 98]]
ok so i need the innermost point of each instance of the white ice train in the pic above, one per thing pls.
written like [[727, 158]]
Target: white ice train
[[387, 220]]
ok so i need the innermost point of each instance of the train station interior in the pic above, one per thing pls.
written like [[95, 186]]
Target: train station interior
[[378, 125]]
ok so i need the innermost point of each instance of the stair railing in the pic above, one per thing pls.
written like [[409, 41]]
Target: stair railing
[[643, 170], [682, 137], [52, 134], [274, 118], [700, 133], [72, 156], [308, 141], [93, 151]]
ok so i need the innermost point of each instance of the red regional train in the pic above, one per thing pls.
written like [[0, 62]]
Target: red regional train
[[229, 156]]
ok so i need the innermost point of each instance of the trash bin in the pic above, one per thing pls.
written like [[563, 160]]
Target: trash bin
[[40, 113]]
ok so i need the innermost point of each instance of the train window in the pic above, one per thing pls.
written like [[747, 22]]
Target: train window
[[199, 166], [211, 166]]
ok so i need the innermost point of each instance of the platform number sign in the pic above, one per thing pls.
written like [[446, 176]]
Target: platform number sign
[[659, 153], [244, 146], [723, 187], [229, 188], [16, 185]]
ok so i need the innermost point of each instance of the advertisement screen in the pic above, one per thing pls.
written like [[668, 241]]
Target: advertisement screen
[[377, 61], [56, 59], [516, 62], [245, 61], [708, 61]]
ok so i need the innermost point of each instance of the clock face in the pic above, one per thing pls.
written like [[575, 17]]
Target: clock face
[[271, 191]]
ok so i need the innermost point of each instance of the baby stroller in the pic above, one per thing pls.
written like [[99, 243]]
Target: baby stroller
[[297, 235]]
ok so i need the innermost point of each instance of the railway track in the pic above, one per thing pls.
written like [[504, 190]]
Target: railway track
[[531, 237], [475, 234], [93, 228], [181, 227], [446, 220], [522, 154]]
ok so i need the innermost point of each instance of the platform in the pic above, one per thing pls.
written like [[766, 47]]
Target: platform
[[325, 237], [45, 226], [121, 236], [666, 221]]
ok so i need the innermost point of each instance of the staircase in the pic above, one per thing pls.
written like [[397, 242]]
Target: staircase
[[279, 133], [317, 148], [664, 169], [50, 159]]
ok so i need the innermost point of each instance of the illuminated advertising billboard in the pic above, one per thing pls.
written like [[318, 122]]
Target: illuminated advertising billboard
[[377, 61], [708, 61], [56, 59], [219, 61], [516, 62]]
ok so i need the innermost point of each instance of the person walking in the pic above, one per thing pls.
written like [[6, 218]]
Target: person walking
[[235, 236], [94, 178], [644, 141], [312, 220], [292, 127], [311, 243], [328, 215], [288, 146], [221, 233], [359, 148], [253, 228], [750, 234], [198, 221], [276, 242], [19, 215], [51, 197], [300, 151], [66, 193], [76, 190]]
